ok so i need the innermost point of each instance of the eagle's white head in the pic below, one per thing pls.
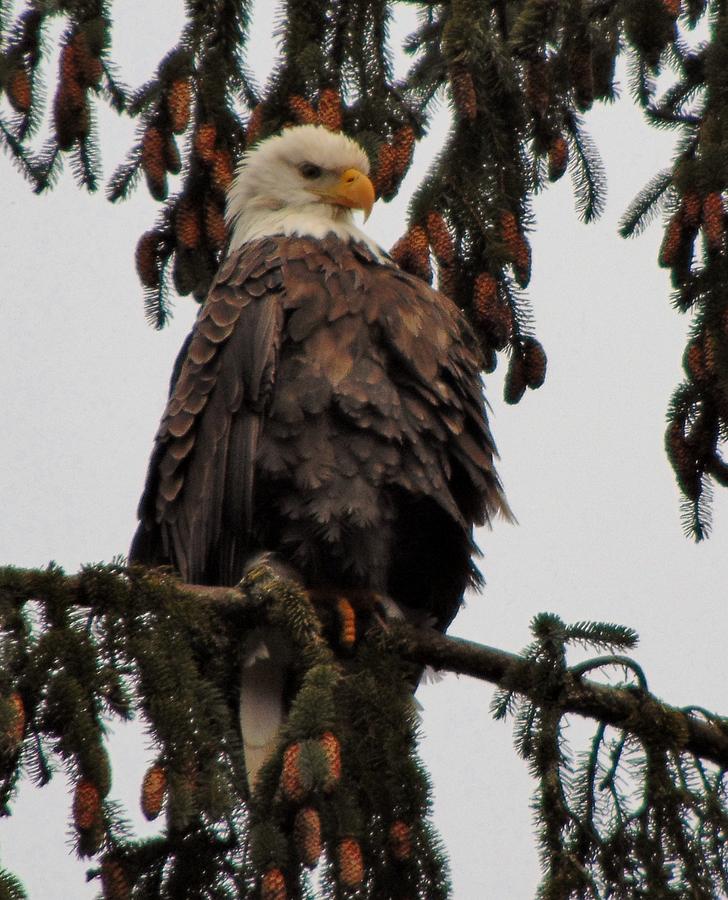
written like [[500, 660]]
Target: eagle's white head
[[305, 181]]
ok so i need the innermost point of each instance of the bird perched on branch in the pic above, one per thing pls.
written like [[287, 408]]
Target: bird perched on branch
[[327, 408]]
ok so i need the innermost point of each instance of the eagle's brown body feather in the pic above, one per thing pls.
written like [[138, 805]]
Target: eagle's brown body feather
[[328, 408]]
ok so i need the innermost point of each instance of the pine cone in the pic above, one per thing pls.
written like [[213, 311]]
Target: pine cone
[[153, 162], [534, 362], [255, 125], [403, 144], [205, 140], [291, 783], [671, 242], [19, 90], [86, 805], [68, 66], [710, 352], [329, 110], [273, 886], [682, 457], [420, 247], [558, 157], [113, 880], [172, 158], [439, 237], [307, 836], [147, 259], [222, 170], [350, 863], [154, 787], [691, 209], [672, 8], [187, 224], [15, 732], [303, 112], [515, 383], [509, 231], [446, 279], [463, 93], [490, 311], [695, 362], [88, 66], [537, 86], [582, 77], [400, 840], [522, 261], [714, 220], [347, 623], [179, 102], [385, 173], [332, 751], [70, 114], [215, 227]]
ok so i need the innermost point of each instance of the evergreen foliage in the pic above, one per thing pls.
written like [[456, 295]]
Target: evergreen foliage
[[641, 812]]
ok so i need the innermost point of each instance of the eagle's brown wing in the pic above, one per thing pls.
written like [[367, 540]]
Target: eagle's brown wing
[[196, 508]]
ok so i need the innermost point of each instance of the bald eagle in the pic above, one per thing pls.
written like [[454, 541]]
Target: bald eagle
[[326, 408]]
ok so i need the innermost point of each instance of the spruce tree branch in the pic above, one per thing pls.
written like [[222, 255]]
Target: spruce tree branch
[[635, 711]]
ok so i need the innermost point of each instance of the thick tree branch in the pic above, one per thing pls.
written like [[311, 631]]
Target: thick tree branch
[[633, 710]]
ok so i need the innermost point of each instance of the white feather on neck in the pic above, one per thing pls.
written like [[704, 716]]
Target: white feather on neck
[[315, 220]]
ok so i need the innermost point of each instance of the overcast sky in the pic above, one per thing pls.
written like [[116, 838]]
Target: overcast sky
[[84, 382]]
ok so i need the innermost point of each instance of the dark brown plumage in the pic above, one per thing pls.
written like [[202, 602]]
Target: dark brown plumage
[[326, 407]]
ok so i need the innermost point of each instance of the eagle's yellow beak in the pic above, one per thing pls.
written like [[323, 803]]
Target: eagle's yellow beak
[[354, 190]]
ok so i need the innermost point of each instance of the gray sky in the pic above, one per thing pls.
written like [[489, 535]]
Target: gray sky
[[84, 381]]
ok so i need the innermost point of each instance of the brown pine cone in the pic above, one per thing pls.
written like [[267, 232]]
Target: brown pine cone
[[420, 247], [537, 86], [329, 112], [400, 840], [153, 162], [215, 227], [691, 209], [16, 729], [583, 77], [347, 623], [291, 783], [446, 279], [187, 224], [713, 215], [307, 836], [403, 144], [534, 362], [179, 104], [222, 170], [273, 885], [515, 382], [19, 90], [490, 311], [558, 157], [463, 93], [68, 66], [255, 125], [440, 238], [154, 787], [86, 805], [88, 66], [695, 363], [113, 880], [172, 158], [671, 242], [385, 172], [70, 114], [522, 261], [332, 751], [509, 231], [303, 112], [672, 8], [205, 140], [682, 457], [401, 251], [350, 862], [147, 259]]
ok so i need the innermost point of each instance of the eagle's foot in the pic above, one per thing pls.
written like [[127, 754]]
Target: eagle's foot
[[347, 615]]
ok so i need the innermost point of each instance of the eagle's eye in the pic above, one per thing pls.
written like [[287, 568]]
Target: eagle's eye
[[309, 170]]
